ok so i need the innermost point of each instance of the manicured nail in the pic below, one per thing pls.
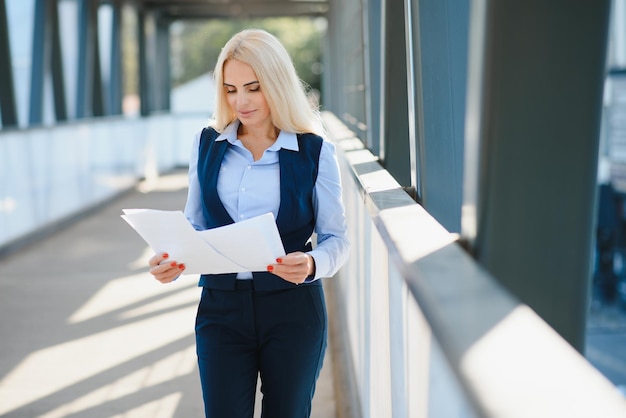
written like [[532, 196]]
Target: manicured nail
[[181, 266], [165, 255], [279, 260], [173, 264], [270, 268]]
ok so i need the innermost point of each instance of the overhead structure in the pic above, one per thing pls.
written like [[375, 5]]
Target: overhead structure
[[95, 87], [200, 9]]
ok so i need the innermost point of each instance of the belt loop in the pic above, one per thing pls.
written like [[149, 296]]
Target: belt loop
[[244, 284]]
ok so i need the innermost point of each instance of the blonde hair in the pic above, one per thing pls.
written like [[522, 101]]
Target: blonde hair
[[284, 92]]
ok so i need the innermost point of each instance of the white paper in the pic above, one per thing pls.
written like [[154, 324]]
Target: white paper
[[248, 245]]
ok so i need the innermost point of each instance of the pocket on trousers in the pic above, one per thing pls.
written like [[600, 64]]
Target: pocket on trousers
[[316, 293]]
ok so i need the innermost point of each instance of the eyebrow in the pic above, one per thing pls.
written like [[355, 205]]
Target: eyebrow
[[245, 85]]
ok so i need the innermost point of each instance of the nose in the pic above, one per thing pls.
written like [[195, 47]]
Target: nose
[[242, 97]]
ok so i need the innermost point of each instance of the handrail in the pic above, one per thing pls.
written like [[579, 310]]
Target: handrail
[[503, 358], [67, 169]]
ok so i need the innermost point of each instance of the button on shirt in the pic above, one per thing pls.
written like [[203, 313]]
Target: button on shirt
[[249, 188]]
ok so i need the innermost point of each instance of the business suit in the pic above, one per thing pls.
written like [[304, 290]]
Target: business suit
[[265, 325]]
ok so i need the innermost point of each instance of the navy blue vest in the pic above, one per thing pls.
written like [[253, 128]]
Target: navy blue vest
[[295, 220]]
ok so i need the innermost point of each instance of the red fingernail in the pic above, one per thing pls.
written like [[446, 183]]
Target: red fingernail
[[173, 264], [270, 268], [165, 255], [279, 260], [181, 266]]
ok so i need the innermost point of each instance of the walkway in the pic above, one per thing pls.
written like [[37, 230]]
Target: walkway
[[86, 333]]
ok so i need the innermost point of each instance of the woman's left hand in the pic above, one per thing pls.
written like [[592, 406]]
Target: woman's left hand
[[294, 267]]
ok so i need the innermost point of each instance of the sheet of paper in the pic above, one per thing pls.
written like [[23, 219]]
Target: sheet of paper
[[253, 243], [244, 246]]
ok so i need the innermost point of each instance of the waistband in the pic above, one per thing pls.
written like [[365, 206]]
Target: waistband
[[244, 284], [261, 281]]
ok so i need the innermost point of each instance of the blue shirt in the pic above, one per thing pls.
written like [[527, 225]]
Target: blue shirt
[[249, 188]]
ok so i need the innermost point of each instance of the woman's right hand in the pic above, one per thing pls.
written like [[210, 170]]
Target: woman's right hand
[[164, 270]]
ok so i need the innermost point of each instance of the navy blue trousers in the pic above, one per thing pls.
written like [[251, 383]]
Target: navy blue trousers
[[279, 336]]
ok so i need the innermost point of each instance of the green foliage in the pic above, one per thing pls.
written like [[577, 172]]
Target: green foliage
[[196, 45], [130, 51]]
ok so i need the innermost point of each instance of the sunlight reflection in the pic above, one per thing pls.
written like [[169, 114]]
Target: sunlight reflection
[[121, 293], [524, 346], [142, 261], [167, 183], [161, 408], [188, 296], [351, 143], [8, 205], [61, 366], [115, 182], [407, 223], [178, 364], [360, 157], [379, 180]]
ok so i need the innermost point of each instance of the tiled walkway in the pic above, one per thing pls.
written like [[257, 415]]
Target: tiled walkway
[[85, 332]]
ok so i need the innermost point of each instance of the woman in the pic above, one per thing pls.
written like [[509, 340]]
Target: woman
[[263, 152]]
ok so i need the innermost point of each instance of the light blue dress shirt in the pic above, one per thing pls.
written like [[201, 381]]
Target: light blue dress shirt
[[249, 188]]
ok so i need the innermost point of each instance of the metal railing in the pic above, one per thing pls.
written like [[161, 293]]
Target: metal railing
[[424, 331], [51, 173]]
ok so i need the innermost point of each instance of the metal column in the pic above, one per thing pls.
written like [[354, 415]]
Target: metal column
[[144, 82], [7, 92], [439, 31], [115, 79], [345, 90], [395, 153], [535, 86], [56, 62], [89, 98], [162, 58], [372, 46], [38, 57]]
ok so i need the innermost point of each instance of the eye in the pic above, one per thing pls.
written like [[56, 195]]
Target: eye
[[258, 88], [231, 91]]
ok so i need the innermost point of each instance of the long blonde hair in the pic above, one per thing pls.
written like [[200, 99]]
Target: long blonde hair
[[284, 92]]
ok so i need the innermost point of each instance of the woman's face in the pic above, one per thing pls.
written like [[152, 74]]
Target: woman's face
[[244, 95]]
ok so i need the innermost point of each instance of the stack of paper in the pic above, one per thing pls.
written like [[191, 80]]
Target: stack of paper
[[248, 245]]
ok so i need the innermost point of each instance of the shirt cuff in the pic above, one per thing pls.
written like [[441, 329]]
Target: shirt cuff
[[321, 265]]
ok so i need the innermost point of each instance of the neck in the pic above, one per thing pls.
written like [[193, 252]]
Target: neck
[[257, 139], [260, 132]]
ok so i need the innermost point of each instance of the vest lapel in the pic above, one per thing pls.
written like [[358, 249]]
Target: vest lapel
[[210, 172], [288, 184]]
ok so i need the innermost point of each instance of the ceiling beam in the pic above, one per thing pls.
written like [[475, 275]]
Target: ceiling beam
[[236, 9]]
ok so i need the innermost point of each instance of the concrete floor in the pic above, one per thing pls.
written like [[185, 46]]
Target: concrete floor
[[86, 332]]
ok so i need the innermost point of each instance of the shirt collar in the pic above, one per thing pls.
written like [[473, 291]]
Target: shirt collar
[[287, 140]]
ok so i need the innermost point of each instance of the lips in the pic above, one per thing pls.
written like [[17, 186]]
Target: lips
[[246, 113]]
